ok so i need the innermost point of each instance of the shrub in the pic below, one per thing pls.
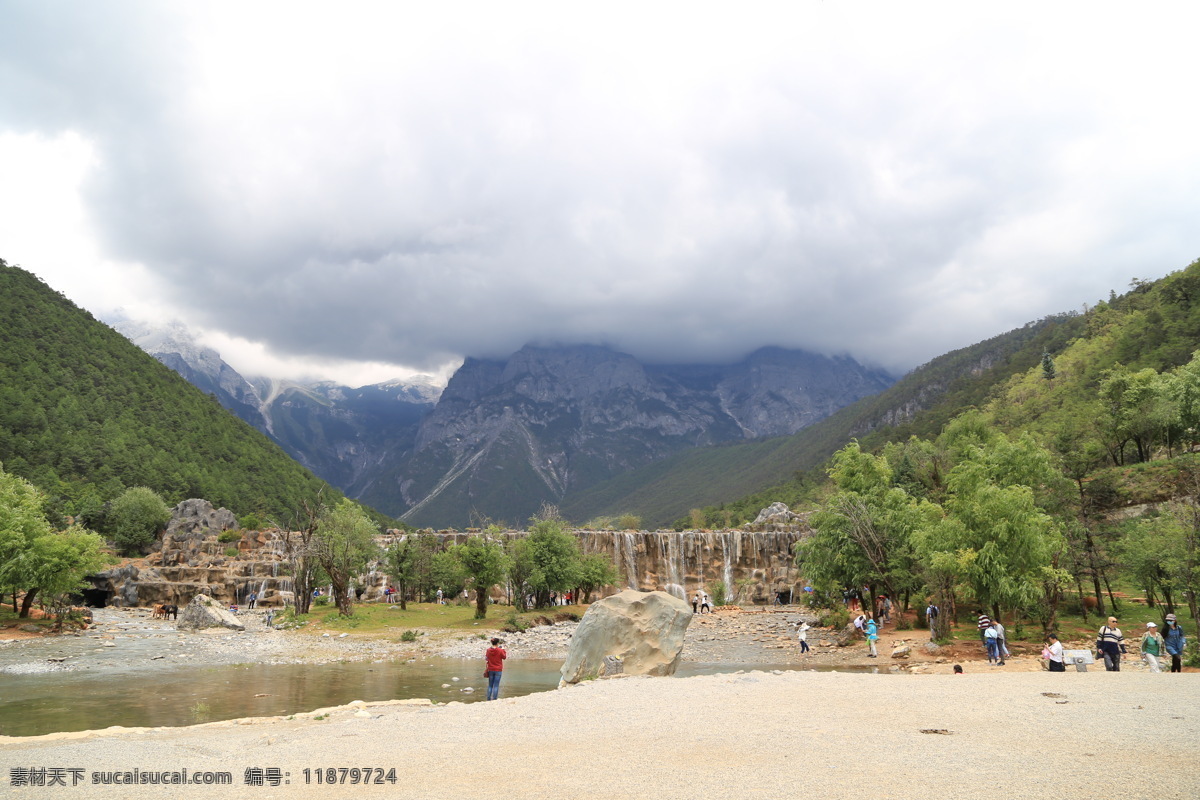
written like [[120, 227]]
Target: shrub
[[323, 600], [408, 636], [629, 522], [252, 522], [229, 536], [231, 552], [718, 593], [835, 617], [136, 516], [514, 624]]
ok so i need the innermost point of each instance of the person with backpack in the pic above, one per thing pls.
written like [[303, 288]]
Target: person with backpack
[[931, 614]]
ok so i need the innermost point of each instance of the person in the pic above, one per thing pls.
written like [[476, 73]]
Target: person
[[704, 602], [1152, 646], [1174, 640], [439, 596], [251, 600], [696, 603], [1001, 643], [872, 636], [778, 598], [1110, 644], [802, 635], [860, 623], [985, 623], [1053, 653], [958, 669], [931, 614], [990, 642], [269, 618], [885, 605], [494, 657]]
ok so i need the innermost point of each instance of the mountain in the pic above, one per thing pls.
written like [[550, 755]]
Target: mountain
[[548, 422], [734, 480], [345, 436], [85, 414]]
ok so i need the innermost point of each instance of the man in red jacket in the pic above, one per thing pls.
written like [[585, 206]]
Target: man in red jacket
[[495, 668]]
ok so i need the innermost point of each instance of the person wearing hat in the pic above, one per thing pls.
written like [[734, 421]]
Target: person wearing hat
[[1053, 653], [1175, 642], [1152, 646], [1110, 643], [872, 632]]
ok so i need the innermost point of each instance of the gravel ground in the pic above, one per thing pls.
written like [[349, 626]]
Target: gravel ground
[[749, 735]]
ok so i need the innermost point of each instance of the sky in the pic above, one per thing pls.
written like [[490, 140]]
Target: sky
[[360, 191]]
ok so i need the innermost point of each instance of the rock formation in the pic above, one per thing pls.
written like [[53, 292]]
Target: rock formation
[[204, 612], [644, 630]]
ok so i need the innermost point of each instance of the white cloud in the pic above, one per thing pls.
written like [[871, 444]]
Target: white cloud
[[396, 185]]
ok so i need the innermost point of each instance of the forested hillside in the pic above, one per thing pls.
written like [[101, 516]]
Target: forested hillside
[[85, 414], [1103, 389]]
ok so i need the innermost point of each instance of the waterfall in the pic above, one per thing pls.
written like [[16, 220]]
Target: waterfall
[[630, 557]]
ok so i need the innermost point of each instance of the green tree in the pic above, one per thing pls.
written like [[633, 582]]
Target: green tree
[[344, 543], [863, 533], [484, 563], [408, 561], [447, 573], [1048, 371], [33, 557], [136, 517], [555, 556], [595, 572], [521, 568]]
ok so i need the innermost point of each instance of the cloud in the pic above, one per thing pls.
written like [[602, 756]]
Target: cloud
[[379, 184]]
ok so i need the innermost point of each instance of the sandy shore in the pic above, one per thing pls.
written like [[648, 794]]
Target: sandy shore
[[756, 734]]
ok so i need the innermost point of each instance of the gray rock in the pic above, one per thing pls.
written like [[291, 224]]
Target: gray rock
[[204, 612], [642, 630]]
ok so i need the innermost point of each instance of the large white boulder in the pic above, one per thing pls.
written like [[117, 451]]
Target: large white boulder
[[204, 612], [644, 630]]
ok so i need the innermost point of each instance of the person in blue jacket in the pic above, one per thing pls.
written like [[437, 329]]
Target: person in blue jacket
[[872, 635], [1175, 641]]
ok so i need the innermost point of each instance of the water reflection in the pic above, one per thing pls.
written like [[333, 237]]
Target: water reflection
[[72, 701]]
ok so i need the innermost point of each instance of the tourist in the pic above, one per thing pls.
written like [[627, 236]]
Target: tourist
[[885, 606], [439, 596], [696, 603], [990, 639], [860, 623], [1175, 642], [872, 636], [494, 656], [704, 602], [269, 618], [1152, 646], [984, 624], [1053, 653], [1001, 642], [803, 637], [1110, 644], [251, 600], [931, 614]]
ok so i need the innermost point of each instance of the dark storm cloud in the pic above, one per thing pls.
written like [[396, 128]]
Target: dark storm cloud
[[412, 191]]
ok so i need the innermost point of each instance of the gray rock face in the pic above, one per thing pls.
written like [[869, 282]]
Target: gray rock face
[[204, 612], [199, 516], [641, 632], [777, 514], [555, 421]]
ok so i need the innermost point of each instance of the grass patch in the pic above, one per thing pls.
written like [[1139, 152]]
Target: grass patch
[[389, 619]]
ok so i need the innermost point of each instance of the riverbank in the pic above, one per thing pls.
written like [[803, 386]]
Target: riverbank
[[754, 735], [129, 640]]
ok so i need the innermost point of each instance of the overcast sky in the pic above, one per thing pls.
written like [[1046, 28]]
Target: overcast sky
[[354, 190]]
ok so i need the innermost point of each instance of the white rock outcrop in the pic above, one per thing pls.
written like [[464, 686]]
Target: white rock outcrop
[[204, 612], [644, 630]]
